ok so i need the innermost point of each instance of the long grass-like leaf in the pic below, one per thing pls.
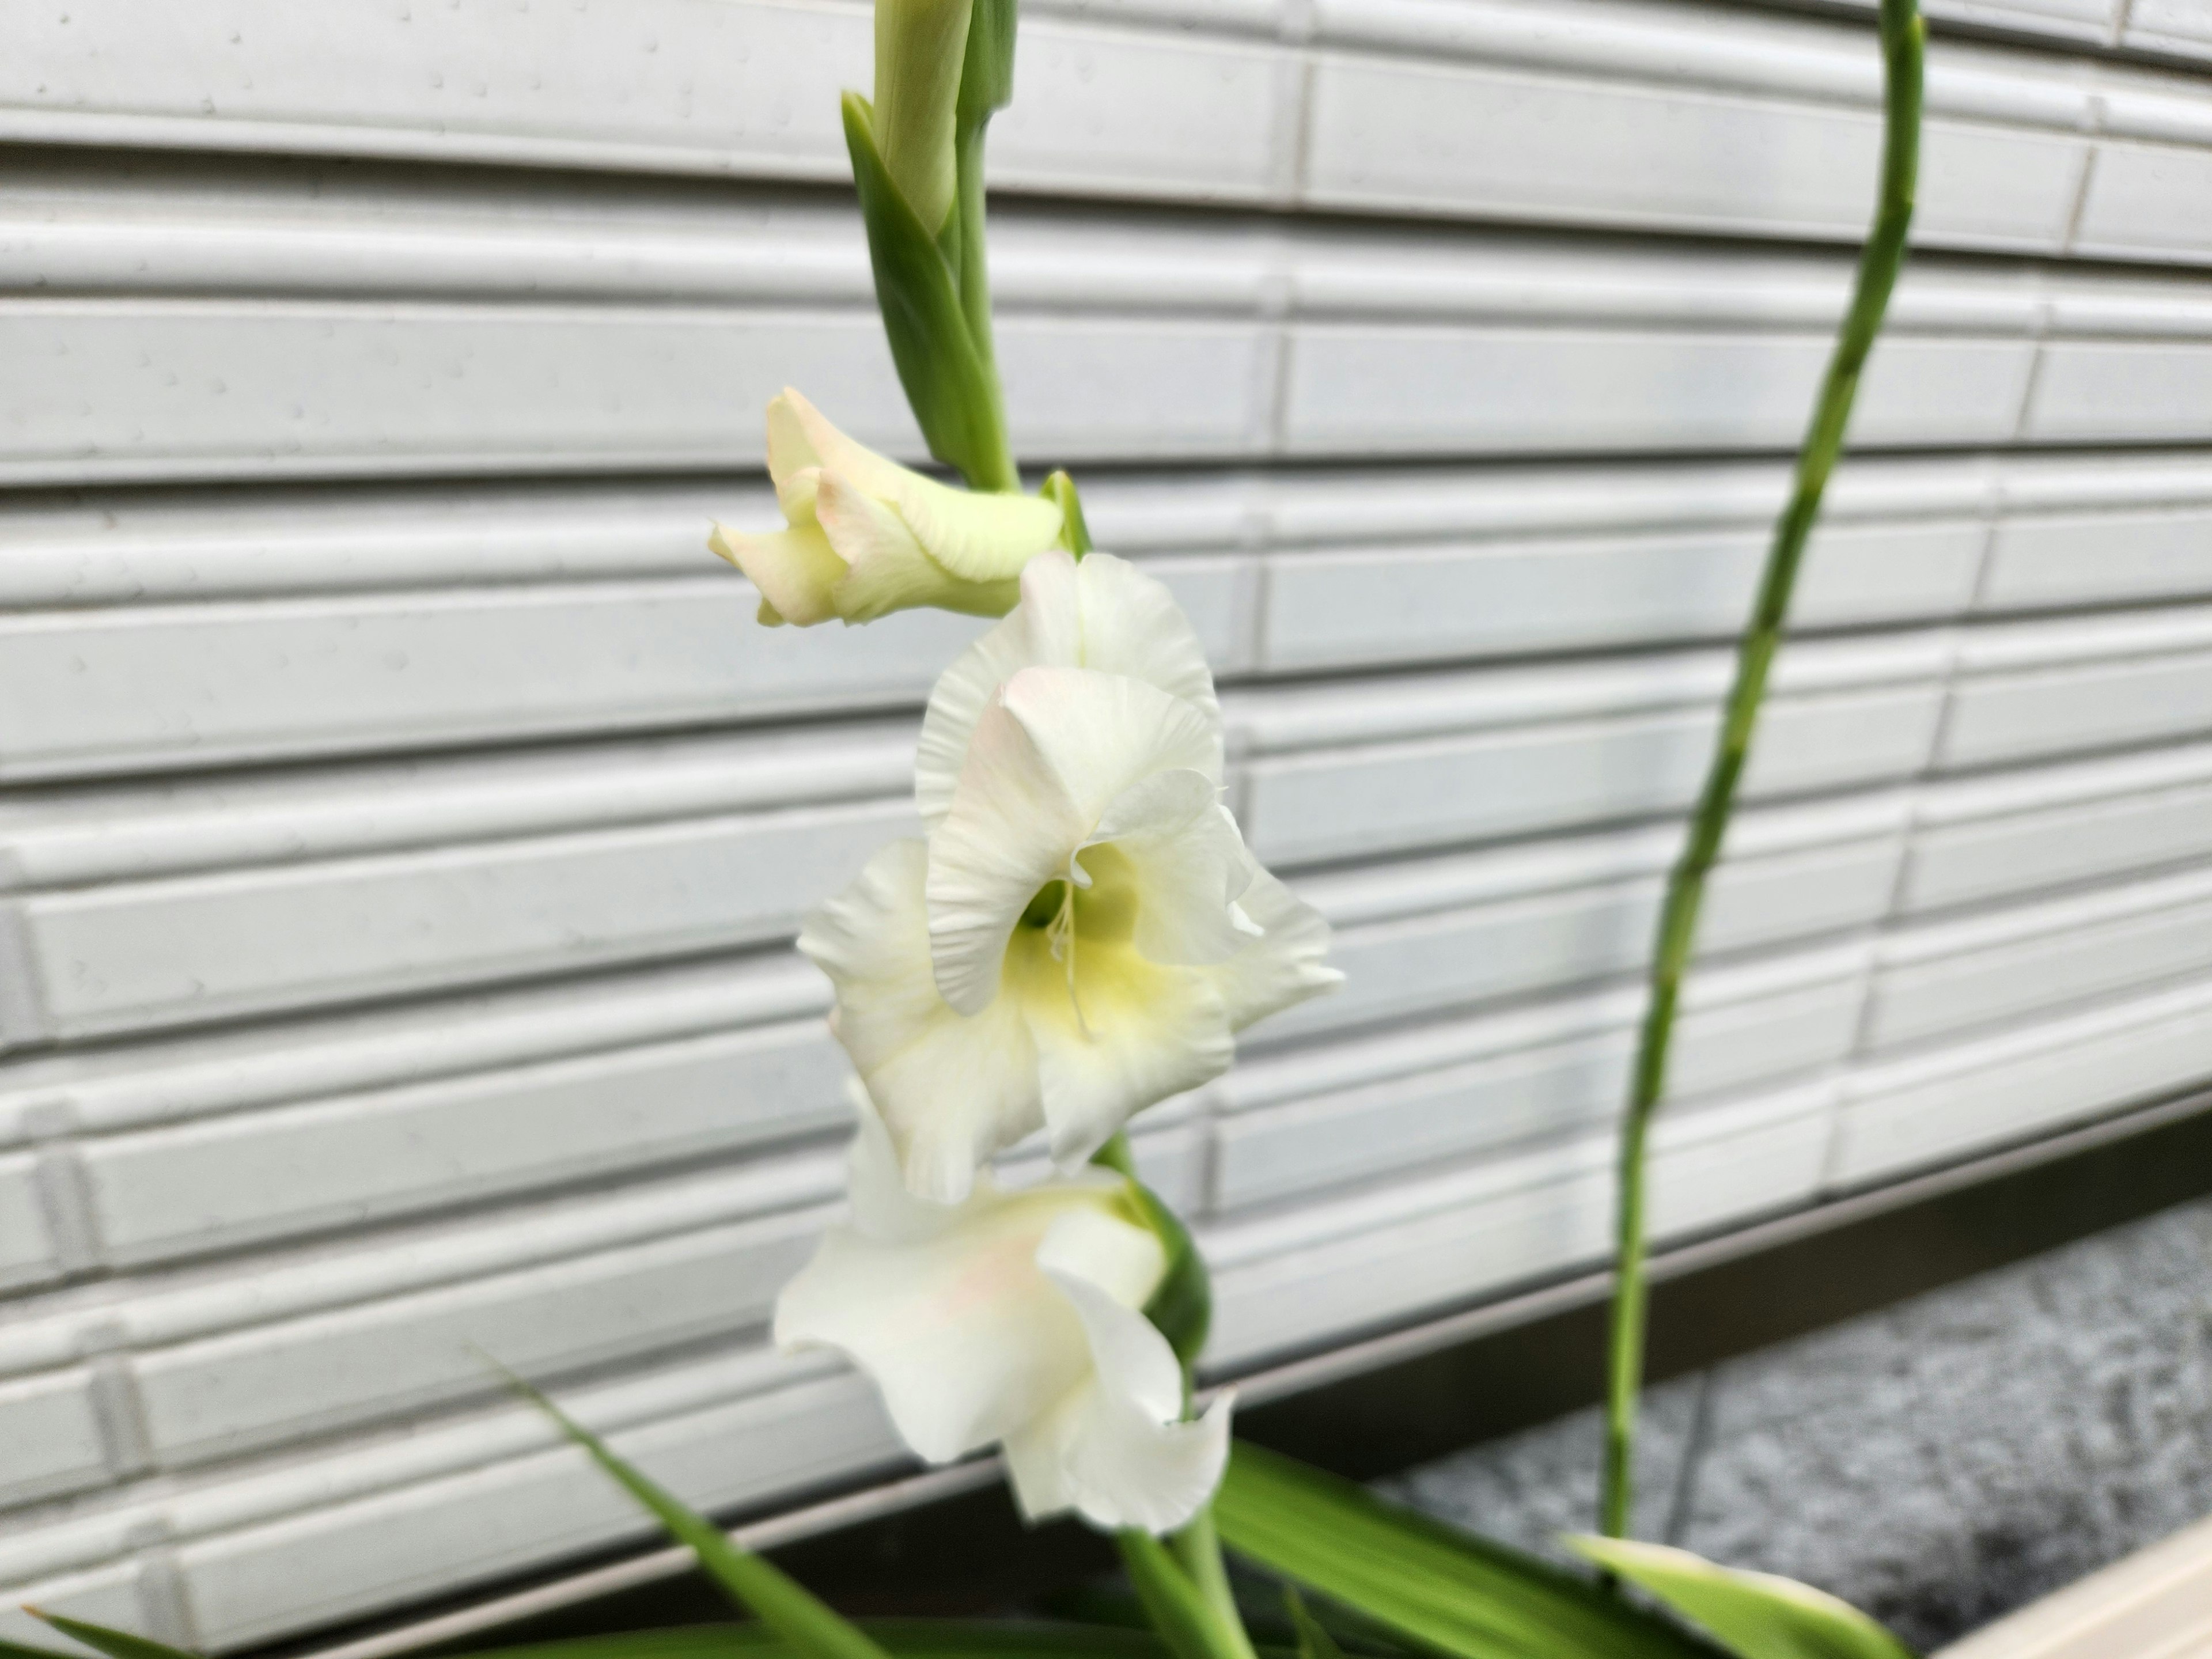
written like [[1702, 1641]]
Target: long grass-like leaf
[[115, 1644], [1454, 1595], [793, 1613], [1756, 1615], [905, 1638], [1313, 1641]]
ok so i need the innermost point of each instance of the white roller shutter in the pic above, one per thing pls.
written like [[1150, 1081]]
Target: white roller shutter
[[403, 826]]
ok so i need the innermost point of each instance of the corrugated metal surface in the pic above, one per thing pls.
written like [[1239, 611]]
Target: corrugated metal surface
[[403, 824]]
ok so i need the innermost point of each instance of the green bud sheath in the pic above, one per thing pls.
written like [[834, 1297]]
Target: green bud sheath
[[919, 48]]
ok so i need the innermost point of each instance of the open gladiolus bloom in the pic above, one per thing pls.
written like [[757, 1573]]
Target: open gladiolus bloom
[[1083, 930], [1014, 1318]]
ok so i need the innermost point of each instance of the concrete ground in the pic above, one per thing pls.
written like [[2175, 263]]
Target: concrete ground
[[1938, 1463]]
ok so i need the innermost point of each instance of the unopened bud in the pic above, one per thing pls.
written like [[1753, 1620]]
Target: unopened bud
[[920, 44]]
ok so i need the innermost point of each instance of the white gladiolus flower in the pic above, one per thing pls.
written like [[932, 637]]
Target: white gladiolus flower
[[865, 536], [1014, 1317], [1084, 930]]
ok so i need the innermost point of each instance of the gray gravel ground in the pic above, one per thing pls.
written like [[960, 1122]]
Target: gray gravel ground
[[1939, 1463]]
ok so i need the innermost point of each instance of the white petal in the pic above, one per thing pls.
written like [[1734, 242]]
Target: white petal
[[979, 535], [883, 1211], [888, 570], [1189, 865], [1114, 1256], [1012, 828], [807, 438], [795, 569], [1115, 1450], [1101, 613], [1142, 1032], [1283, 965], [790, 455], [967, 1339], [1131, 625], [966, 690], [1044, 763], [952, 1089], [1052, 591], [1100, 733]]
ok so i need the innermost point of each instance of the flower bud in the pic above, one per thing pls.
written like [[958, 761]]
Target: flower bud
[[864, 536], [920, 47]]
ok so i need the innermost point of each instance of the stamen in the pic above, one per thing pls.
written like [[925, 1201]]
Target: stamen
[[1062, 940]]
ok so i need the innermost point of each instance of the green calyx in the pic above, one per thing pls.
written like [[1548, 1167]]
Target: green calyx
[[1180, 1306], [1075, 530]]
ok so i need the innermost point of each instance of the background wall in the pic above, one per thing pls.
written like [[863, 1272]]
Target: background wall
[[403, 824]]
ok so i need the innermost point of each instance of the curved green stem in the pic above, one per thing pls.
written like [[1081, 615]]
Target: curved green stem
[[1193, 1556], [1904, 37], [1114, 1155]]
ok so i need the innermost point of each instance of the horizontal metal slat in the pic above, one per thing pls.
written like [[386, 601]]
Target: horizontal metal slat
[[2049, 830], [1940, 981], [1239, 341], [214, 685], [134, 958], [2020, 1084], [1457, 1238], [1623, 103], [1535, 1092], [362, 1158], [51, 1443], [1410, 966], [27, 1255]]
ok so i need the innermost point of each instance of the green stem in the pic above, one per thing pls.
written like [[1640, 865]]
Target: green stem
[[1191, 1625], [1904, 39], [1193, 1554], [1114, 1155], [1198, 1548], [994, 464]]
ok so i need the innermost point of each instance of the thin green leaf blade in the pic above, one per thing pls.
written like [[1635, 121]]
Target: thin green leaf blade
[[1757, 1615], [1444, 1590], [115, 1644], [905, 1638], [1313, 1641], [785, 1607], [746, 1641]]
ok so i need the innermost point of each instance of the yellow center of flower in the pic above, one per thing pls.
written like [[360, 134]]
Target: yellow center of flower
[[1101, 918]]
